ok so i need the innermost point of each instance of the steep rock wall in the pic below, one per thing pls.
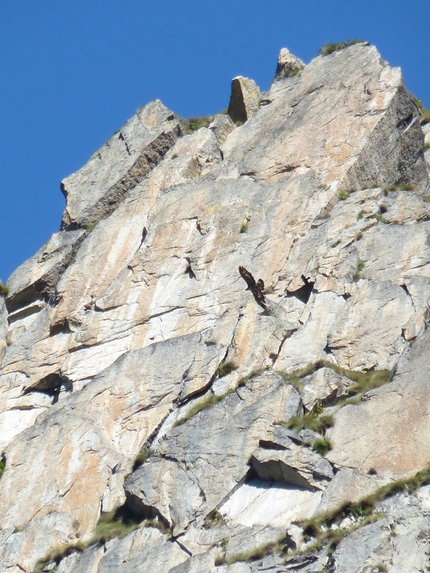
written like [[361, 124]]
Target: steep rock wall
[[135, 315]]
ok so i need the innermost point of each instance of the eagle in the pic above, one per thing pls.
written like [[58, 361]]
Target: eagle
[[256, 287]]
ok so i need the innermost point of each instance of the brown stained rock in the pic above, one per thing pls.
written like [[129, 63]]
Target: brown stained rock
[[244, 100]]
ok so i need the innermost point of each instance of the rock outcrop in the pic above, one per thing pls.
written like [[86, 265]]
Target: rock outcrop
[[154, 417]]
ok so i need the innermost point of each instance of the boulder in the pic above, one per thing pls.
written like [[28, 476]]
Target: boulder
[[244, 99], [288, 65], [299, 466]]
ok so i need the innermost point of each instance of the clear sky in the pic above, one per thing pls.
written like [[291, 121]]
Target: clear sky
[[73, 71]]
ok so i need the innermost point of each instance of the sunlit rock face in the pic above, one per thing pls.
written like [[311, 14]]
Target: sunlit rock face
[[142, 373]]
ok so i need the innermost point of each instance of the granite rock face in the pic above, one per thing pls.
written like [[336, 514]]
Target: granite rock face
[[144, 379]]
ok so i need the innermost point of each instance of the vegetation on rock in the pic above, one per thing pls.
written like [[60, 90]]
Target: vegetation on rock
[[330, 48]]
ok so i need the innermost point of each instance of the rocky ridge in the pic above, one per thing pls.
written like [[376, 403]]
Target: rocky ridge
[[157, 414]]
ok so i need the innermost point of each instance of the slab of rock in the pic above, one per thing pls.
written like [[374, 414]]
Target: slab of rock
[[146, 549], [93, 192], [211, 451], [221, 125], [323, 387], [297, 466], [271, 504], [388, 432], [82, 452], [244, 99], [37, 278]]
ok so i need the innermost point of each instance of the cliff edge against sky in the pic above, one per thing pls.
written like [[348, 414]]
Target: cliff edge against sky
[[227, 340]]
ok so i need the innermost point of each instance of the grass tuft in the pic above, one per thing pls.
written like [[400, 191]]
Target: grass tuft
[[330, 48], [142, 457], [225, 368], [4, 290], [194, 123], [322, 446]]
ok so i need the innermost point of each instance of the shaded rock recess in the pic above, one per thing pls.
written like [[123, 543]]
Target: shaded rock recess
[[162, 410]]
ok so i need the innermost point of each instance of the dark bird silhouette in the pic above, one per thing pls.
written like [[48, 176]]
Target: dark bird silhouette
[[255, 287]]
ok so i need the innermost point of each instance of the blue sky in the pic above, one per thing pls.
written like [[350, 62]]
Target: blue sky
[[72, 72]]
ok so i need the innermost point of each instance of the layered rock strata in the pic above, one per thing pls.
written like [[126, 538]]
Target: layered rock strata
[[140, 377]]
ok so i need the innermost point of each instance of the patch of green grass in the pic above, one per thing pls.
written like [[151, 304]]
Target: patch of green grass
[[335, 244], [4, 290], [314, 421], [322, 446], [360, 215], [378, 217], [330, 48], [358, 236], [2, 466], [426, 146], [426, 198], [194, 123], [359, 271], [343, 195], [225, 368], [210, 401], [90, 227], [399, 187], [144, 454], [292, 72], [256, 553], [364, 381], [108, 527]]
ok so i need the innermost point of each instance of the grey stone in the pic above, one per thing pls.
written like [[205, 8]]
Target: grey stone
[[244, 100], [288, 65], [213, 456], [94, 191], [37, 278], [297, 466], [222, 125]]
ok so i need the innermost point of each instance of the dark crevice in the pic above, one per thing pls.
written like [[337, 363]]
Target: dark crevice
[[405, 122], [134, 511], [51, 385], [60, 327]]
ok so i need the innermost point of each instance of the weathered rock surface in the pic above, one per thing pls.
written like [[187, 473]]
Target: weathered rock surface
[[207, 460], [288, 65], [94, 191], [135, 316], [245, 99]]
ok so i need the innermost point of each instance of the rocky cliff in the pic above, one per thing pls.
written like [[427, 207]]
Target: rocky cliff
[[219, 363]]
